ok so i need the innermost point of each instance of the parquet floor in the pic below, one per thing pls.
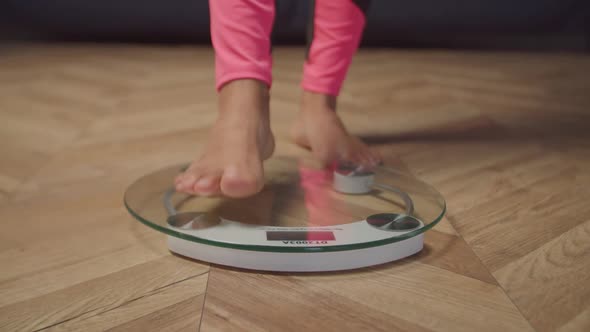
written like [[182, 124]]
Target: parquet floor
[[504, 136]]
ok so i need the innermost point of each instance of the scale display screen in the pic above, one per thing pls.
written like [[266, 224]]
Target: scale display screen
[[300, 236]]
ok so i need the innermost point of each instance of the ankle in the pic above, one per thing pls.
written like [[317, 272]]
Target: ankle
[[244, 84], [244, 95], [315, 100]]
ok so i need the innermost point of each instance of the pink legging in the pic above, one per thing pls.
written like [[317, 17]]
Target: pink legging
[[241, 31]]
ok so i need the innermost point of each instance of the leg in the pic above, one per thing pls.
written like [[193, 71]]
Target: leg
[[335, 36], [335, 31], [231, 162], [240, 33]]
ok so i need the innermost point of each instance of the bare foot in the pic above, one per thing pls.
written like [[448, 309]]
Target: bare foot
[[240, 140], [319, 128]]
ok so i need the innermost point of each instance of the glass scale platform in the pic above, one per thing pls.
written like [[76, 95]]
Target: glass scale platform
[[305, 219]]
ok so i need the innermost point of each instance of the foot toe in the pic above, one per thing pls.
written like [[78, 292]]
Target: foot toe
[[239, 183], [368, 159], [186, 183], [207, 185], [178, 178], [376, 157]]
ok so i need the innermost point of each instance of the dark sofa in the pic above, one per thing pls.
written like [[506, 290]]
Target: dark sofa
[[538, 24]]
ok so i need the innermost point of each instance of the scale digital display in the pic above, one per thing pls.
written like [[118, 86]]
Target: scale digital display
[[300, 236]]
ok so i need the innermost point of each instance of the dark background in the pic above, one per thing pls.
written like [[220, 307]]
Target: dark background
[[496, 24]]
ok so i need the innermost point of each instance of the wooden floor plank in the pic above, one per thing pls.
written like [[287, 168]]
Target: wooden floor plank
[[104, 294], [174, 307], [415, 293], [551, 278], [404, 296], [251, 302], [49, 279], [454, 254], [523, 221], [183, 316]]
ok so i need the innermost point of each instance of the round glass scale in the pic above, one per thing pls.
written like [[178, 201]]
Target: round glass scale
[[305, 219]]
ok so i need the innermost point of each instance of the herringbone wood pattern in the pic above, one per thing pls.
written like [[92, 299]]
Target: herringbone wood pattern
[[505, 137]]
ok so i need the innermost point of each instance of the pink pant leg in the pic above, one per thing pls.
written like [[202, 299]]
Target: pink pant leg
[[337, 30], [240, 33]]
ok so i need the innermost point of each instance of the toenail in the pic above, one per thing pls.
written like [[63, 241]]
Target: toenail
[[187, 181], [204, 183]]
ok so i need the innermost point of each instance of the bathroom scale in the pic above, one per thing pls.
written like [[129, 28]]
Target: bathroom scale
[[305, 219]]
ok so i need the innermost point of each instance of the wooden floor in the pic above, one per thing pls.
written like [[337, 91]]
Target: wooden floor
[[504, 136]]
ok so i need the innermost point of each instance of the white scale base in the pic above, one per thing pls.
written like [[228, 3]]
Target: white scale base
[[297, 262], [234, 232]]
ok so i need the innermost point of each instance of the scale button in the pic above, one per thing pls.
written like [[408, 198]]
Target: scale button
[[352, 180], [394, 222]]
